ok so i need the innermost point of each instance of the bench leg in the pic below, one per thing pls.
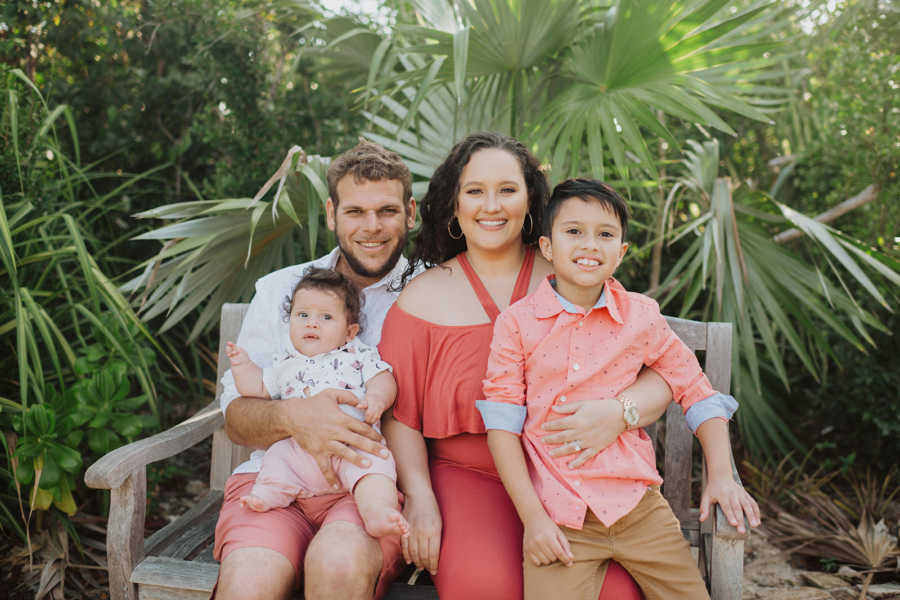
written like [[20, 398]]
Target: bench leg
[[125, 534]]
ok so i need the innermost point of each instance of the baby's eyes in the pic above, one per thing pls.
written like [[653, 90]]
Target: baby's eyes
[[327, 317]]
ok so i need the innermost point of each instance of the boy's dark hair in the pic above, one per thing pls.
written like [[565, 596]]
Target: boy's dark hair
[[329, 280], [587, 190], [368, 161], [433, 243]]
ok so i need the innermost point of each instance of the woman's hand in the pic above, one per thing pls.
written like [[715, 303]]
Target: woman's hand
[[588, 427], [422, 546]]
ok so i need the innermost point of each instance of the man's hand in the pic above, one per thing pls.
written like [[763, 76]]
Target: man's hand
[[422, 546], [595, 424], [544, 542], [736, 503], [323, 430]]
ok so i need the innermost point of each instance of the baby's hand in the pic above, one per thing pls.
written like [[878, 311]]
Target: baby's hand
[[734, 500], [544, 543], [376, 404], [236, 354]]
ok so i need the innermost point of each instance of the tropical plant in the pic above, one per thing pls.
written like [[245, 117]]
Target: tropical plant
[[590, 88], [73, 345], [775, 300]]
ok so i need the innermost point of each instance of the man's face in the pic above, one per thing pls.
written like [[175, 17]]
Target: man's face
[[371, 222]]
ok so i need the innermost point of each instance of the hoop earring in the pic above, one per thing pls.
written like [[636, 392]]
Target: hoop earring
[[450, 231], [530, 224]]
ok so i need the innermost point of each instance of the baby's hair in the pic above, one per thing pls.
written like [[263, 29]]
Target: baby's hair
[[587, 190], [329, 280]]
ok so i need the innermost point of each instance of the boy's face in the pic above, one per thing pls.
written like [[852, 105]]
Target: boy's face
[[585, 247], [318, 322]]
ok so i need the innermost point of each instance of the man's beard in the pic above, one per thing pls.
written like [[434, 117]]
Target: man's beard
[[360, 269]]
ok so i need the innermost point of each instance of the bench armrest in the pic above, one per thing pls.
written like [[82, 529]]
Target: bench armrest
[[110, 471]]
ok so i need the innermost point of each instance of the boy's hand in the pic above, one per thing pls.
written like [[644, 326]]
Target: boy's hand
[[544, 542], [734, 500], [236, 354]]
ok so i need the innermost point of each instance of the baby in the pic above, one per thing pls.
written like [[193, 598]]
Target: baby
[[323, 318]]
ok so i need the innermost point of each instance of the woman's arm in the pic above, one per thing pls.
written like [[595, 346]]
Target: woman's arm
[[596, 424], [422, 547]]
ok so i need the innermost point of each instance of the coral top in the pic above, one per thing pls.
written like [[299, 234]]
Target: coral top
[[439, 368]]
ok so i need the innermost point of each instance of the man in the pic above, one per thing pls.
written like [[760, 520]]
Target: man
[[371, 210]]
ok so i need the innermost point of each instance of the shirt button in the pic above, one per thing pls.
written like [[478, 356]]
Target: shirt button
[[575, 367], [576, 483], [580, 323], [562, 398]]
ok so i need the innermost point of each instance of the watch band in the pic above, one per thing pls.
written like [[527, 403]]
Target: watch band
[[630, 413]]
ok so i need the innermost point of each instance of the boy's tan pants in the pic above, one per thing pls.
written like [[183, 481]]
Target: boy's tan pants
[[647, 542]]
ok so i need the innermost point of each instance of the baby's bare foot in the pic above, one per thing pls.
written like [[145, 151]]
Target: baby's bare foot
[[383, 520], [255, 503]]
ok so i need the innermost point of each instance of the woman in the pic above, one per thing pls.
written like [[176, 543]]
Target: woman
[[481, 219]]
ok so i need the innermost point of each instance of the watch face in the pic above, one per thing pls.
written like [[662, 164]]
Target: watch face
[[632, 415]]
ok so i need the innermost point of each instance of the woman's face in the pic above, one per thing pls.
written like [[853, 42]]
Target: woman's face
[[492, 201]]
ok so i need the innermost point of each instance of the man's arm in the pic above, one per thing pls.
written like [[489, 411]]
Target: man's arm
[[316, 423]]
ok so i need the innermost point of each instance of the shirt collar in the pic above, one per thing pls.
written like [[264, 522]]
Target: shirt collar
[[549, 303]]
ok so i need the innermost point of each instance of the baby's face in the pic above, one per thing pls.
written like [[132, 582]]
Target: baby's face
[[318, 322]]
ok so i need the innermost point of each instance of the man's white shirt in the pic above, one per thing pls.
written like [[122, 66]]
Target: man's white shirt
[[265, 333]]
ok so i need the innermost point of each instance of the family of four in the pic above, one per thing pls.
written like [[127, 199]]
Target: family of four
[[510, 379]]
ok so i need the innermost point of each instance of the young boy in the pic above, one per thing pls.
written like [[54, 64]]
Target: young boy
[[582, 336]]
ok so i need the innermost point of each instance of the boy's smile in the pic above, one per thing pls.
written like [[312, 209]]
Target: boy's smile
[[585, 247]]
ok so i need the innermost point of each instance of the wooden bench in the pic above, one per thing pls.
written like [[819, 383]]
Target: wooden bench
[[176, 561]]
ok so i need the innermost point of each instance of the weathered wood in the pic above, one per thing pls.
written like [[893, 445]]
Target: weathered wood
[[678, 462], [125, 534], [226, 455], [162, 576], [718, 356], [726, 567], [165, 578], [692, 333], [190, 533], [111, 470]]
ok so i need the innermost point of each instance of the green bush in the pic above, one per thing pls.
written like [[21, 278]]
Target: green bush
[[79, 367]]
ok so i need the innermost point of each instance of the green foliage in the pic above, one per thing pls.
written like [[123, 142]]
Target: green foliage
[[73, 347]]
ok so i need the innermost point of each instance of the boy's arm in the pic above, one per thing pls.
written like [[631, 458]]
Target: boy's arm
[[504, 414], [543, 542], [381, 391], [721, 487]]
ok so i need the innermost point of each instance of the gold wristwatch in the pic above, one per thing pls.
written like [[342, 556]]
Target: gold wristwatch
[[630, 413]]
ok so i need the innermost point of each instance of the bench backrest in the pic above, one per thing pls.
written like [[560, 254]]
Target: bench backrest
[[714, 339]]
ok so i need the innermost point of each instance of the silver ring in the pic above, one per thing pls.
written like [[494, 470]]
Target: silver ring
[[577, 444]]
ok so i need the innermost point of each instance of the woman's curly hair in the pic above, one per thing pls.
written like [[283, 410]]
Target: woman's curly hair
[[433, 242], [329, 280]]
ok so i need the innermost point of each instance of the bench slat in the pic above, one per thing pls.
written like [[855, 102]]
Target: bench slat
[[180, 538]]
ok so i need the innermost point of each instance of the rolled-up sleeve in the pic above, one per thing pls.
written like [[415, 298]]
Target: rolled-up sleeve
[[674, 361], [718, 405], [504, 387]]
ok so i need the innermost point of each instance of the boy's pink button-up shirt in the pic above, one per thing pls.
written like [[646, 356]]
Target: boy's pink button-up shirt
[[542, 355]]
